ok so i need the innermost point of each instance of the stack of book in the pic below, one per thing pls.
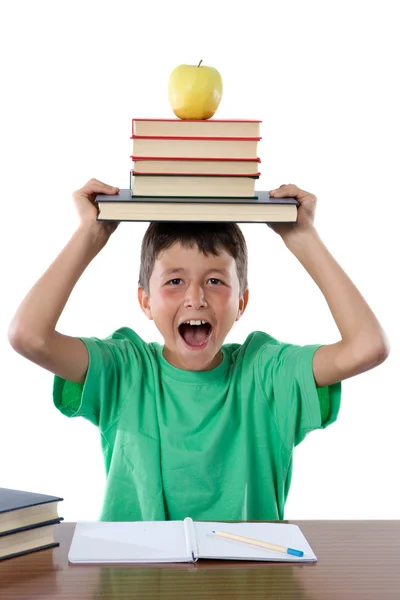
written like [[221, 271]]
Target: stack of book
[[192, 170], [27, 522]]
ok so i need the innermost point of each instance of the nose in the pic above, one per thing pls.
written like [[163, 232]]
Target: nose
[[195, 297]]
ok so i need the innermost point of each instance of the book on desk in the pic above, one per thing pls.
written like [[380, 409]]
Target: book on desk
[[27, 521]]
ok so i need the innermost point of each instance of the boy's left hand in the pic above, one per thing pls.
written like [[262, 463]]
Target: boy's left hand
[[305, 211]]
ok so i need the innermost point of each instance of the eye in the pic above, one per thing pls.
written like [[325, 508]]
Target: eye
[[214, 280], [174, 281]]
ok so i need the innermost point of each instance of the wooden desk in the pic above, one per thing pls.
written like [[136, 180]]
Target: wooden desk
[[356, 560]]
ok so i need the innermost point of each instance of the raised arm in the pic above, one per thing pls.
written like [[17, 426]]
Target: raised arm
[[363, 343], [32, 331]]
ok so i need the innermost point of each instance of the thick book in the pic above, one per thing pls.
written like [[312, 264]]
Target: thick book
[[38, 537], [201, 128], [260, 209], [20, 509], [27, 521], [193, 166], [195, 147], [159, 184], [183, 541]]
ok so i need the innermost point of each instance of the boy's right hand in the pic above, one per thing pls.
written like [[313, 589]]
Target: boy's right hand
[[32, 331], [85, 204]]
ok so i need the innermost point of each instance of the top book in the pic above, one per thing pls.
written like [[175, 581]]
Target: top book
[[235, 128], [22, 509]]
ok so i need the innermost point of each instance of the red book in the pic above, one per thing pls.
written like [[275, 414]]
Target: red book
[[195, 147], [179, 165], [231, 128]]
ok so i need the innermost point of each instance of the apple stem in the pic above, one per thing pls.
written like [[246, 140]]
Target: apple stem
[[200, 62]]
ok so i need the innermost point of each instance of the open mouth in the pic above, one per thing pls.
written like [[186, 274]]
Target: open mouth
[[195, 333]]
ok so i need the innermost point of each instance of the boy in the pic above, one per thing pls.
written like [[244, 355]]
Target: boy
[[195, 427]]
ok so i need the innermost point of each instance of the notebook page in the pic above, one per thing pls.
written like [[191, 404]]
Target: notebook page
[[138, 541], [284, 534]]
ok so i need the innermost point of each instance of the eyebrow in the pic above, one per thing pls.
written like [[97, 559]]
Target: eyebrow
[[223, 272]]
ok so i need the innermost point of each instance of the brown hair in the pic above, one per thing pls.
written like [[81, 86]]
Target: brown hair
[[208, 237]]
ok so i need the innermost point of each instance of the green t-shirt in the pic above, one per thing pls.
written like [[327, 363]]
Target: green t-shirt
[[213, 445]]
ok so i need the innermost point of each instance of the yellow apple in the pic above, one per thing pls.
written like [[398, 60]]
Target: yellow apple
[[194, 92]]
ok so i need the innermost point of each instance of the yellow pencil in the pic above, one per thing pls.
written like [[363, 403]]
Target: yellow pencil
[[253, 542]]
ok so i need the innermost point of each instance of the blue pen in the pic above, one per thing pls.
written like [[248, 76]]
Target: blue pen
[[253, 542]]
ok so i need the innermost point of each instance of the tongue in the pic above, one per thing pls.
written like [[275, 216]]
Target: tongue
[[195, 335]]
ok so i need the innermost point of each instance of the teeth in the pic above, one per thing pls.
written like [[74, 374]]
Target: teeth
[[192, 322]]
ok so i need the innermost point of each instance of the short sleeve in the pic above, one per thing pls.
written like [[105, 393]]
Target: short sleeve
[[114, 365], [298, 406]]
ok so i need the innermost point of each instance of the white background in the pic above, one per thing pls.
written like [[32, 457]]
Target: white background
[[323, 77]]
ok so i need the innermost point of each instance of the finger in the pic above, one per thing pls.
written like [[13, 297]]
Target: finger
[[289, 190], [285, 187], [94, 186]]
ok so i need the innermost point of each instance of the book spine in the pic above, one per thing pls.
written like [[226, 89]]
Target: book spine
[[191, 542]]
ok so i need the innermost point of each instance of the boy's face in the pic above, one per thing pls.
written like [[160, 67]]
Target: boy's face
[[187, 285]]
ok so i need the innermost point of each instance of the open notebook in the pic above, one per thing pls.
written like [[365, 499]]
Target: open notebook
[[182, 541]]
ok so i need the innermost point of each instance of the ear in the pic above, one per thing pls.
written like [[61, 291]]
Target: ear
[[244, 298], [144, 301]]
